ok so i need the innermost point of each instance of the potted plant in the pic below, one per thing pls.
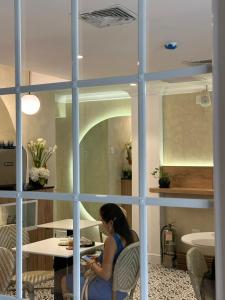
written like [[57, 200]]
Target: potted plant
[[126, 173], [163, 177], [40, 153]]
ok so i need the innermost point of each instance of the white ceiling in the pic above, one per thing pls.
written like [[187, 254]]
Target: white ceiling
[[107, 51]]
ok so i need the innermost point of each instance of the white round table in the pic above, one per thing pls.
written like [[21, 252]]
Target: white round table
[[199, 239]]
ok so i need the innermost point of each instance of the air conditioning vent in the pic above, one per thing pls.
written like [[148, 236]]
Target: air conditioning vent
[[198, 62], [115, 15]]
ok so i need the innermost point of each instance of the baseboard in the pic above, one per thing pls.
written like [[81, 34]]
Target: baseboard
[[154, 258]]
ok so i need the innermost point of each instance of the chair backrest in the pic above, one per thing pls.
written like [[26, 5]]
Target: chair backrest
[[8, 237], [127, 268], [197, 267], [7, 263]]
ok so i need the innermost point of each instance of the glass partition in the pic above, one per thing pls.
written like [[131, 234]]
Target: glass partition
[[175, 42], [47, 140], [8, 142], [46, 44], [106, 139], [108, 33], [7, 44]]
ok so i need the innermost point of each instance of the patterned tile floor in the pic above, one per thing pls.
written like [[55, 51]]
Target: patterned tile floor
[[164, 284]]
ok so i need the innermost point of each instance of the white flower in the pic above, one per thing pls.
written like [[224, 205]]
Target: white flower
[[40, 140], [44, 173], [40, 153], [34, 174]]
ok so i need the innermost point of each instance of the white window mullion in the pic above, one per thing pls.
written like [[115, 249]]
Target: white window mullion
[[76, 153], [219, 142], [19, 173], [142, 164]]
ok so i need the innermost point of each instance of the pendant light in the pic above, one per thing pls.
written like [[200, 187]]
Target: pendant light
[[30, 103]]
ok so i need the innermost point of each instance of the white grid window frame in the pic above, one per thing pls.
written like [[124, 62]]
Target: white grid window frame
[[142, 200]]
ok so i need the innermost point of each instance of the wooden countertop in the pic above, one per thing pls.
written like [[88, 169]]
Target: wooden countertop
[[181, 190]]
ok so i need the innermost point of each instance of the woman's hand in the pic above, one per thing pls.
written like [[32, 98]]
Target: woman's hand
[[90, 263]]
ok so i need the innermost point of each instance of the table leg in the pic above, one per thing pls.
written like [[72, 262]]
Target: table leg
[[61, 268]]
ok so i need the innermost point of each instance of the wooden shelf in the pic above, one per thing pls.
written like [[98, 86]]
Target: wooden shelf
[[181, 190]]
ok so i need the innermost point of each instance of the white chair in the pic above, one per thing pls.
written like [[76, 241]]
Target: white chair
[[29, 278], [125, 274], [127, 269], [7, 264], [197, 267]]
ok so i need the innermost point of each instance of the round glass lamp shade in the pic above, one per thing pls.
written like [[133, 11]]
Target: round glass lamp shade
[[30, 104]]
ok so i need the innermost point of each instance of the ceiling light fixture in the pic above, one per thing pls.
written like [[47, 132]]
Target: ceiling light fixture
[[30, 103]]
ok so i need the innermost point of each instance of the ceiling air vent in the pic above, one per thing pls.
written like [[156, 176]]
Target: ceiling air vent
[[115, 15], [198, 62]]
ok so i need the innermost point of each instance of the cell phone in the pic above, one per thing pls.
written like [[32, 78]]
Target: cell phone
[[87, 258]]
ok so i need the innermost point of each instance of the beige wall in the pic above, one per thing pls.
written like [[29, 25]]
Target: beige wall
[[102, 158], [41, 124], [187, 131], [187, 140], [7, 130]]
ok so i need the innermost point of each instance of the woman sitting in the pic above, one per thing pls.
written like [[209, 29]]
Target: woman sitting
[[119, 236]]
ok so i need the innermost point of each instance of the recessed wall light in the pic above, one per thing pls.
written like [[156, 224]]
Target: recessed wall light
[[80, 56], [133, 84]]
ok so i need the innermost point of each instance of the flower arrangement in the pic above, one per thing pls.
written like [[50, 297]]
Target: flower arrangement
[[40, 153], [164, 178]]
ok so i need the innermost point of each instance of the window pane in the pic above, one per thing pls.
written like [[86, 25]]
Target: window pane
[[188, 24], [46, 44], [45, 255], [7, 53], [7, 143], [106, 139], [108, 38], [8, 259], [170, 255], [180, 131], [47, 138]]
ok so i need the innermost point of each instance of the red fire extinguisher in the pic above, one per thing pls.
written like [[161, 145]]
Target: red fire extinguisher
[[168, 245]]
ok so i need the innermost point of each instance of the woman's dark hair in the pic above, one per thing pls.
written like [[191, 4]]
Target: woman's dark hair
[[112, 212]]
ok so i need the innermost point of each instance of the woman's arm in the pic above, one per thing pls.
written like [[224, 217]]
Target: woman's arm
[[105, 270]]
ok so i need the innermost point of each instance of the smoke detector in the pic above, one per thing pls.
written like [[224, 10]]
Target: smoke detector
[[115, 15], [204, 99]]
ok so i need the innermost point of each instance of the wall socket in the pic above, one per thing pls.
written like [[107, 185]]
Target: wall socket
[[195, 230]]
